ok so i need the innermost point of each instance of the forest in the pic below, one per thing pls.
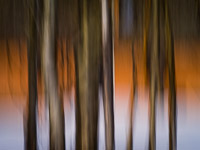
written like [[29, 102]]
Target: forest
[[99, 74]]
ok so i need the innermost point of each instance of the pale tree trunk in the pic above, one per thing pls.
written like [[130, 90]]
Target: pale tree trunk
[[154, 75], [172, 84], [87, 74], [107, 53], [31, 139], [56, 113]]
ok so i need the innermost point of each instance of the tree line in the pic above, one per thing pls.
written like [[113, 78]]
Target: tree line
[[93, 55]]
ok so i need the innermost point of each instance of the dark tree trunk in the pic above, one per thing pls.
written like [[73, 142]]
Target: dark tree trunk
[[154, 74], [56, 112], [68, 67], [31, 143], [146, 20], [133, 101], [172, 84], [107, 53], [87, 74]]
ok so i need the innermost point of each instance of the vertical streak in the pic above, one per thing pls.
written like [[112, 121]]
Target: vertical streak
[[172, 85], [107, 43], [87, 75], [31, 142], [56, 112], [154, 76], [133, 101], [146, 21]]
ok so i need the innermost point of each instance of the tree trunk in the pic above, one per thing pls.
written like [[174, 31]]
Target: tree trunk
[[56, 113], [107, 52], [87, 74], [172, 84], [133, 101], [146, 20], [154, 75], [31, 143]]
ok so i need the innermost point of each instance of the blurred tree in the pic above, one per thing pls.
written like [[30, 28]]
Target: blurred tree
[[56, 112], [154, 73], [127, 31], [146, 24], [31, 141], [107, 54], [87, 74], [133, 101], [172, 85]]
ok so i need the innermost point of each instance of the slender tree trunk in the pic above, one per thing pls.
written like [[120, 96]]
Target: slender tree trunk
[[31, 143], [146, 20], [56, 113], [133, 101], [172, 84], [67, 50], [154, 74], [107, 52], [87, 74]]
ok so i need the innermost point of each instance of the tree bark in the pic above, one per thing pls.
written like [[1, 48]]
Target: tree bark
[[172, 84], [107, 52], [56, 112], [31, 143], [133, 101], [87, 74], [154, 75], [146, 20]]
